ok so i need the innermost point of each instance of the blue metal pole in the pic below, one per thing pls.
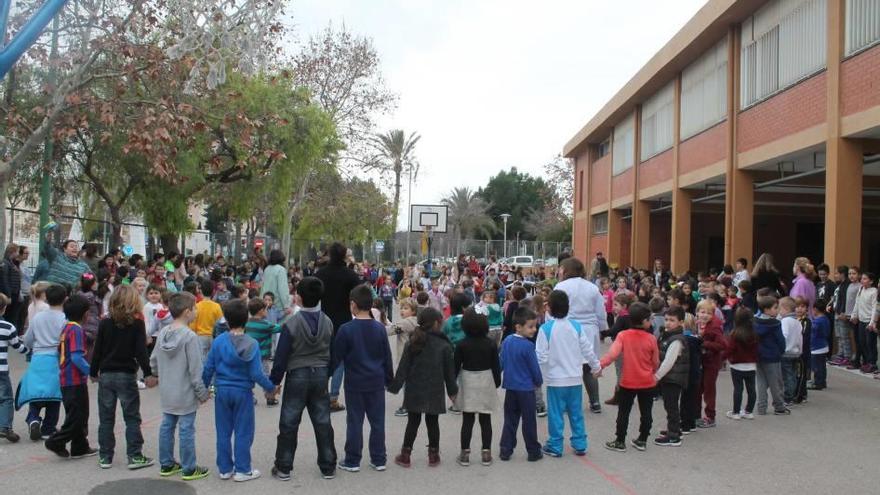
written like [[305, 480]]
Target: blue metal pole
[[4, 19], [28, 34]]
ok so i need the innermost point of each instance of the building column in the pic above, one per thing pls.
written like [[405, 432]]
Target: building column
[[615, 229], [680, 260], [641, 234]]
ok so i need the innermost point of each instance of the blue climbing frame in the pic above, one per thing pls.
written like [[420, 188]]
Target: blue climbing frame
[[12, 51]]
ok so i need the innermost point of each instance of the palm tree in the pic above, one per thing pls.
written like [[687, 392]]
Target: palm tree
[[396, 156], [468, 214]]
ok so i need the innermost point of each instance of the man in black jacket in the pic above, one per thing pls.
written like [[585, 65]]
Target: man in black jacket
[[338, 281]]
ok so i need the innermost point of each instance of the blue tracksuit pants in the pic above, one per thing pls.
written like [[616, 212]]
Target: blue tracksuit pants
[[234, 415], [561, 401]]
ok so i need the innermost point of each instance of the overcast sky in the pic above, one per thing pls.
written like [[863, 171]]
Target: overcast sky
[[495, 84]]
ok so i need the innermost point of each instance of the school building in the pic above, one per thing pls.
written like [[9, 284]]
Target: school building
[[755, 129]]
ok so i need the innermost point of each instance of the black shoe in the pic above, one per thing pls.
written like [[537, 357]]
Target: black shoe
[[536, 457], [58, 450], [596, 408], [667, 441], [9, 435], [616, 445], [504, 456], [271, 403], [401, 412], [34, 430], [170, 470], [639, 444], [542, 412], [90, 452], [280, 475], [782, 412]]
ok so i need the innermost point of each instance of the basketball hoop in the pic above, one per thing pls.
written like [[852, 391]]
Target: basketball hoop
[[428, 219]]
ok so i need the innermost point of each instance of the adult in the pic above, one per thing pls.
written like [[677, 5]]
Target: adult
[[275, 281], [765, 275], [587, 307], [339, 280], [64, 267], [803, 285], [599, 266], [10, 281], [90, 256], [661, 275], [27, 275]]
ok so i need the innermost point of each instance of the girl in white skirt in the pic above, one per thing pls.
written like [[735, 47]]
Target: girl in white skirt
[[479, 376]]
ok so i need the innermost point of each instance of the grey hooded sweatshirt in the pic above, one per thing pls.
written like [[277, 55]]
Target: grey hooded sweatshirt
[[177, 361]]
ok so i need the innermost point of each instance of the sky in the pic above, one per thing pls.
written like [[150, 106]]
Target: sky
[[492, 84]]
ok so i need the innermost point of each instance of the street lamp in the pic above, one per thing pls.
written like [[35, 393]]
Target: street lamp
[[505, 216]]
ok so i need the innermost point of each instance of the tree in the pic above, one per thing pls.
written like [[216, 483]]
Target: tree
[[517, 194], [395, 157], [467, 214], [548, 224], [560, 178]]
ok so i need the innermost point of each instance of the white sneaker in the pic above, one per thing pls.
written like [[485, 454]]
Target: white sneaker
[[733, 415], [254, 474], [746, 415], [225, 476], [378, 467], [141, 385]]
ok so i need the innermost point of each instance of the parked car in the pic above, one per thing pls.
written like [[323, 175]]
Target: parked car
[[521, 262]]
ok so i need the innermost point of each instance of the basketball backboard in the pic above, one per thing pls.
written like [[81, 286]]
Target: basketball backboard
[[428, 217]]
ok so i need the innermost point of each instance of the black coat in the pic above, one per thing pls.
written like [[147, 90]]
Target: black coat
[[425, 376], [338, 280], [769, 279], [10, 279]]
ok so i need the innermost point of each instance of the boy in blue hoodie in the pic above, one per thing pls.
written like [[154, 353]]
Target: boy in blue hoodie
[[820, 335], [235, 360], [771, 347], [522, 375], [362, 348]]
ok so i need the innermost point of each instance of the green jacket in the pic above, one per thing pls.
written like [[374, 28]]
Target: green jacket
[[452, 329], [62, 268]]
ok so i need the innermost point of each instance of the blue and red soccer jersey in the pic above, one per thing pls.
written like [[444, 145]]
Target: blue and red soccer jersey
[[72, 363]]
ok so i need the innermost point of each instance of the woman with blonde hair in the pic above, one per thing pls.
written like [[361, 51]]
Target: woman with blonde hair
[[120, 350], [765, 274], [803, 285]]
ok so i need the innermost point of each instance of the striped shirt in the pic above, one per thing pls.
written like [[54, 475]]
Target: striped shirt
[[73, 368], [8, 337]]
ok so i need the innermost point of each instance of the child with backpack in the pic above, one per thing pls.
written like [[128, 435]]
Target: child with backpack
[[742, 352]]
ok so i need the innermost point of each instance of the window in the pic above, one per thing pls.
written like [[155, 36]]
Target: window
[[657, 122], [599, 223], [604, 147], [580, 190], [624, 136], [782, 43], [704, 91], [862, 24]]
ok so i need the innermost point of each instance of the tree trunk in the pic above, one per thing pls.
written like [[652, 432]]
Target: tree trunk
[[168, 243], [3, 186], [398, 170], [287, 235], [116, 226], [236, 250]]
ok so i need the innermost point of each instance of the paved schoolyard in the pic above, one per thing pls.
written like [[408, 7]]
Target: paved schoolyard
[[830, 444]]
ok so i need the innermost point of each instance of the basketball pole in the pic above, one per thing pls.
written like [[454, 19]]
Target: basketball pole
[[429, 239]]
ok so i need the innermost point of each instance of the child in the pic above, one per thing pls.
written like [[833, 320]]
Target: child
[[38, 303], [177, 362], [426, 368], [386, 293], [259, 329], [518, 293], [362, 348], [640, 359], [563, 348], [522, 375], [422, 301], [863, 319], [40, 385], [712, 338], [802, 313], [403, 329], [791, 330], [672, 374], [235, 360], [489, 307], [819, 345], [74, 372], [742, 352], [843, 304], [120, 349], [303, 355], [273, 314], [658, 319], [771, 347], [8, 338], [479, 373], [452, 326], [221, 293], [437, 298], [620, 307], [156, 315], [690, 397], [208, 313]]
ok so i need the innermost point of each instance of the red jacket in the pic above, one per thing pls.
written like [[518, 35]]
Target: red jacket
[[641, 357], [713, 343], [738, 352]]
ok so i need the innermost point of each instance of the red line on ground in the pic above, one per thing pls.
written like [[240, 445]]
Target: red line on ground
[[614, 480]]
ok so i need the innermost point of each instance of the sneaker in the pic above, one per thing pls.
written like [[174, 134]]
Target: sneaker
[[685, 431], [59, 450], [733, 415], [225, 476], [105, 462], [616, 445], [242, 477], [378, 467], [612, 401], [45, 436], [705, 423], [197, 473], [535, 457], [34, 430], [335, 406], [88, 453], [747, 415], [279, 475], [486, 457], [580, 453], [329, 475], [401, 412], [843, 362], [542, 412], [853, 366], [271, 403], [550, 452], [139, 462], [639, 445], [351, 469], [783, 412], [170, 470], [453, 410], [504, 456], [667, 441], [142, 385], [596, 408], [464, 458], [9, 435], [788, 403]]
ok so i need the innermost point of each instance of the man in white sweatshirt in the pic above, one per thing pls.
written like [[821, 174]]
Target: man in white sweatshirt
[[563, 347]]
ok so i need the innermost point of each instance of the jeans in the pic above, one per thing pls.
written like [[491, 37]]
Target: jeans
[[305, 388], [790, 367], [520, 405], [591, 383], [707, 390], [234, 415], [539, 398], [671, 393], [412, 429], [769, 375], [859, 357], [187, 432], [868, 344], [843, 330], [820, 373], [336, 382], [205, 342], [113, 386], [389, 308], [467, 430], [565, 400], [625, 399], [76, 421], [371, 405], [743, 379], [49, 421], [6, 400]]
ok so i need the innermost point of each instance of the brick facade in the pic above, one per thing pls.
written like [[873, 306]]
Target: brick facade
[[655, 170], [622, 185], [703, 149], [860, 81], [598, 184]]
